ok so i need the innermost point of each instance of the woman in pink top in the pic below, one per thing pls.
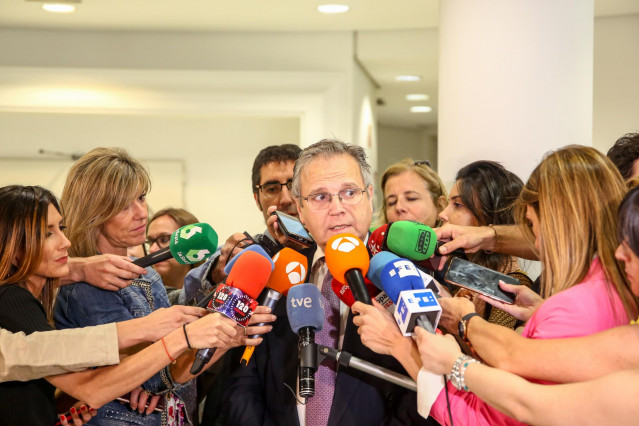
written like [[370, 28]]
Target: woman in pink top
[[569, 204], [589, 402]]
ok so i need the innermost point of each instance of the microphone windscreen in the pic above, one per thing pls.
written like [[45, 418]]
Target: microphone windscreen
[[290, 269], [376, 241], [412, 240], [345, 252], [193, 243], [304, 307], [250, 273], [399, 275], [253, 247], [377, 263]]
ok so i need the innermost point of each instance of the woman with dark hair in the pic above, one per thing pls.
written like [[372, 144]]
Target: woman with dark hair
[[484, 194], [33, 258]]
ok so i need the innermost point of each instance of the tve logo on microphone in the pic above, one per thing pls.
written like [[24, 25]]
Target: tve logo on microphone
[[301, 302], [345, 244]]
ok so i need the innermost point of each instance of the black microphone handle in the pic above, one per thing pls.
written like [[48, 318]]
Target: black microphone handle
[[355, 281], [202, 357], [308, 361], [153, 258], [271, 297]]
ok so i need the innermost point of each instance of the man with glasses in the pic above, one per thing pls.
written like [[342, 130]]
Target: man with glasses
[[332, 188]]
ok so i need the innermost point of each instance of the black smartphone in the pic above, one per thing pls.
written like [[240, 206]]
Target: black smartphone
[[479, 279], [293, 229]]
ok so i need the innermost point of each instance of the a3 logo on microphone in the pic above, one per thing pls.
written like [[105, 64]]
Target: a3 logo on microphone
[[345, 244]]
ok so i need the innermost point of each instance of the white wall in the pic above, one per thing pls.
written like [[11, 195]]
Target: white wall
[[616, 82], [217, 154]]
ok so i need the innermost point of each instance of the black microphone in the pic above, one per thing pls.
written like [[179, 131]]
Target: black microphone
[[306, 315], [188, 244]]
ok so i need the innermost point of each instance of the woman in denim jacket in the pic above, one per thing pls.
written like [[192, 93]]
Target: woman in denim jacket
[[105, 211]]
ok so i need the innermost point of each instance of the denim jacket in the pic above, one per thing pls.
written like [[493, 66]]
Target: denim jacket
[[81, 305]]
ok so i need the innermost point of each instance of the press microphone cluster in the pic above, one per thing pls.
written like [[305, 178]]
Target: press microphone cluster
[[236, 299], [188, 244], [290, 268], [347, 260]]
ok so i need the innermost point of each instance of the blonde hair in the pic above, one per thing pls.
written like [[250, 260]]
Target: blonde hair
[[434, 184], [98, 186], [576, 192]]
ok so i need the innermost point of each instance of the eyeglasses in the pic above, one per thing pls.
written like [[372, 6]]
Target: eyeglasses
[[423, 162], [161, 240], [321, 200], [274, 189]]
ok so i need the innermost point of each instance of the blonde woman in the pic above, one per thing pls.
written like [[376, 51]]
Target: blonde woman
[[412, 191]]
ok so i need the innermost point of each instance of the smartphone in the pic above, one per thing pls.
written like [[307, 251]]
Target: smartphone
[[479, 279], [293, 229]]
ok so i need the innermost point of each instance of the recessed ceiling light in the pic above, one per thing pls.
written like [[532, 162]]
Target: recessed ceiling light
[[408, 78], [417, 97], [58, 8], [333, 8], [420, 108]]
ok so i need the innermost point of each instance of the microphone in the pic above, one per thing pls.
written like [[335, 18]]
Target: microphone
[[347, 260], [377, 240], [236, 298], [189, 244], [306, 315], [413, 240], [344, 293], [290, 269], [253, 247], [409, 290]]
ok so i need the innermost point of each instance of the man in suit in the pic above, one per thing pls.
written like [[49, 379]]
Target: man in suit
[[332, 188]]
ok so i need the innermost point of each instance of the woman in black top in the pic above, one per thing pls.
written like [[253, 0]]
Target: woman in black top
[[33, 255]]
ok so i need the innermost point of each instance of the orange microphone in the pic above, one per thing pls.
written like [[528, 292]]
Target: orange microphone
[[347, 260], [290, 269]]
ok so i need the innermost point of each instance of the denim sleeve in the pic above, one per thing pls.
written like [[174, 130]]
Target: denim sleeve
[[81, 305], [196, 283]]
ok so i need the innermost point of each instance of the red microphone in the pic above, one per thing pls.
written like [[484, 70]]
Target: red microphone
[[344, 293], [377, 240], [236, 298]]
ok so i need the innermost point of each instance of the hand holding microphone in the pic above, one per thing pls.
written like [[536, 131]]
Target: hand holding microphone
[[236, 298]]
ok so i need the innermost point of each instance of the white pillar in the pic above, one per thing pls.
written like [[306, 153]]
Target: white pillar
[[515, 81]]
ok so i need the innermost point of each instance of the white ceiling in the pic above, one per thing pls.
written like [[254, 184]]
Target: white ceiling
[[394, 36]]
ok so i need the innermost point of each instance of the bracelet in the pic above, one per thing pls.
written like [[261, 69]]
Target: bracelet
[[459, 368], [167, 351], [462, 371], [186, 336], [495, 246]]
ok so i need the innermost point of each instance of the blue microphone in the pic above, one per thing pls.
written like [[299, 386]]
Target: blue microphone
[[306, 315], [416, 302], [253, 247], [378, 262]]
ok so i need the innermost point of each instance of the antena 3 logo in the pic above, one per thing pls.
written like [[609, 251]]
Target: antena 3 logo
[[345, 244], [423, 241], [295, 272]]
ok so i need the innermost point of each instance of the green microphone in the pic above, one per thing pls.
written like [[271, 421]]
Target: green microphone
[[412, 240], [189, 244]]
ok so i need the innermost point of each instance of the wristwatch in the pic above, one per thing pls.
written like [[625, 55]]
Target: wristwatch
[[462, 326]]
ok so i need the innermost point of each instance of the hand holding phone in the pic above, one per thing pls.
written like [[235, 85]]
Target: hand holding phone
[[293, 229], [479, 279]]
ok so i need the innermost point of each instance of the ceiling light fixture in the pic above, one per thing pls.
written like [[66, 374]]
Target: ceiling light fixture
[[408, 78], [58, 8], [416, 97], [420, 108], [333, 8]]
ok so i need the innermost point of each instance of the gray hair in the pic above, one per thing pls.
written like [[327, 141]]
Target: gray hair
[[329, 148]]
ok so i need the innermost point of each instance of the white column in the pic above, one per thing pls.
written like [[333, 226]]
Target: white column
[[515, 81]]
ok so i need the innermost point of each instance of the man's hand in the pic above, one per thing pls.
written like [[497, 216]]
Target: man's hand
[[526, 301], [377, 328], [230, 249], [469, 238], [105, 271]]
